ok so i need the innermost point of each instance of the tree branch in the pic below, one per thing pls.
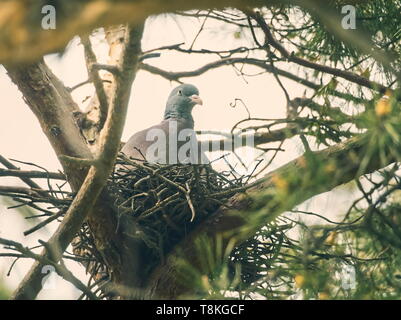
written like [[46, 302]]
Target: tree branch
[[33, 41], [258, 139], [352, 77], [176, 76], [25, 179], [97, 176], [31, 174], [277, 192], [61, 270], [93, 72], [53, 105]]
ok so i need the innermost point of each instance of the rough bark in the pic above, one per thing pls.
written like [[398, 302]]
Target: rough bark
[[52, 104]]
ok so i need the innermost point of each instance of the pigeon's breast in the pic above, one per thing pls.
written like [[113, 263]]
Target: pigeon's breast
[[170, 142]]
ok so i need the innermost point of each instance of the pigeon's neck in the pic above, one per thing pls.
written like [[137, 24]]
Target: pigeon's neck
[[175, 114]]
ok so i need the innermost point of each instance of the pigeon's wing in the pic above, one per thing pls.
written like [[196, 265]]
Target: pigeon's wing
[[141, 144], [168, 142]]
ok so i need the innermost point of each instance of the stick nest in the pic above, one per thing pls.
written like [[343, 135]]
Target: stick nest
[[168, 201], [165, 202]]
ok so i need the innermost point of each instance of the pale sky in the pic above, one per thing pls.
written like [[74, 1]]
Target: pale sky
[[21, 136]]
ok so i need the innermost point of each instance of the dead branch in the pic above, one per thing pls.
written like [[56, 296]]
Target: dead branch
[[61, 270], [31, 175], [27, 180], [176, 76]]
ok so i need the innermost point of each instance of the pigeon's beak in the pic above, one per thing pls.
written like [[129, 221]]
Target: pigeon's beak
[[196, 99]]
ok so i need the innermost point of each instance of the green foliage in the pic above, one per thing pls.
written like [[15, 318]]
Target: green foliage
[[379, 21], [356, 258], [4, 292], [375, 18]]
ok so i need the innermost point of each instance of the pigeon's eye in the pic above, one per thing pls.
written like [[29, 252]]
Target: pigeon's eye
[[180, 92]]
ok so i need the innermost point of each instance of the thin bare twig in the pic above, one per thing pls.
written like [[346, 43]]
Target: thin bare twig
[[61, 270]]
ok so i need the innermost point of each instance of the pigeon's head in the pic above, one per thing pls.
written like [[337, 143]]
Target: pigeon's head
[[181, 101]]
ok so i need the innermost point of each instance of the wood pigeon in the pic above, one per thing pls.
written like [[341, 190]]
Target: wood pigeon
[[173, 140]]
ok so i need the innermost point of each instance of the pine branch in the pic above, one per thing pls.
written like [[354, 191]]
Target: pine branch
[[245, 213], [352, 77]]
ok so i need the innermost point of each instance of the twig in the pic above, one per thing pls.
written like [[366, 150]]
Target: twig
[[90, 58], [176, 76], [9, 165], [190, 204], [44, 223], [31, 174], [96, 178], [61, 270], [114, 70], [352, 77], [200, 30]]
